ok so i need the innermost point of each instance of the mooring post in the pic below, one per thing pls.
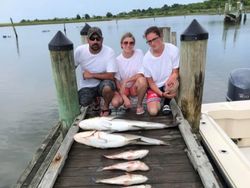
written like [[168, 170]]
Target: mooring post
[[173, 38], [165, 33], [62, 60], [84, 33], [192, 72]]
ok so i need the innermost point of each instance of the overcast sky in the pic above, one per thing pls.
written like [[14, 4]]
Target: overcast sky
[[46, 9]]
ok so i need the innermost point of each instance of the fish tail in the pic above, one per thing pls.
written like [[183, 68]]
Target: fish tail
[[108, 157], [100, 169]]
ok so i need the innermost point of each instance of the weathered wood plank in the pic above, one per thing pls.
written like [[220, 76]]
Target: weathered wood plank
[[39, 157], [60, 157], [45, 164], [195, 152]]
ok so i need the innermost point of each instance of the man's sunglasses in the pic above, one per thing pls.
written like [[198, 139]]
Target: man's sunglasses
[[152, 40], [95, 38]]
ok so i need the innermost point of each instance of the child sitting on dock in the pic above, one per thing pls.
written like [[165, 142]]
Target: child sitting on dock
[[130, 80], [161, 68]]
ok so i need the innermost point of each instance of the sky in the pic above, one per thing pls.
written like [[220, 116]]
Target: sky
[[49, 9]]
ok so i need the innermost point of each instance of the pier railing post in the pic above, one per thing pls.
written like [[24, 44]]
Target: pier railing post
[[192, 72], [166, 33], [84, 33], [62, 60]]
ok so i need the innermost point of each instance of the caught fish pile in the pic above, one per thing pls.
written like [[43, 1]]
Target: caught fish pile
[[100, 139], [100, 133], [138, 186], [128, 166], [129, 155], [113, 124], [128, 179]]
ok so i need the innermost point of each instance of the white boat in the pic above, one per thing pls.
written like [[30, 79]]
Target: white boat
[[225, 131]]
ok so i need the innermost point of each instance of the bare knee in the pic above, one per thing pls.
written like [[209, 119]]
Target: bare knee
[[141, 81], [116, 103], [153, 111]]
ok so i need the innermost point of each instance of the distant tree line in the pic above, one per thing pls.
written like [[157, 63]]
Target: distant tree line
[[209, 6]]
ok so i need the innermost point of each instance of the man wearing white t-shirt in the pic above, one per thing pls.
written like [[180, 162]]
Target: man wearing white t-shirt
[[98, 67], [161, 68]]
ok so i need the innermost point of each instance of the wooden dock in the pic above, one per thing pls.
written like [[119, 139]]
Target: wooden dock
[[169, 165], [181, 163]]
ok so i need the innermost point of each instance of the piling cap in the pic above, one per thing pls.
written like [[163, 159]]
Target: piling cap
[[60, 43], [85, 29], [194, 32]]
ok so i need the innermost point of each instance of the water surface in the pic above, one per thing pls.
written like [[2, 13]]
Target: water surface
[[28, 106]]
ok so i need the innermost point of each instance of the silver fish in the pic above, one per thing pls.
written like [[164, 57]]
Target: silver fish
[[128, 179], [104, 140], [129, 155], [112, 124], [138, 186], [128, 166]]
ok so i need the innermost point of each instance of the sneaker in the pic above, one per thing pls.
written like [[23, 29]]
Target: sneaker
[[166, 110]]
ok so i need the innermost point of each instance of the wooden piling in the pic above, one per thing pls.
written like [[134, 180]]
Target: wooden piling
[[64, 29], [84, 33], [61, 53], [14, 28], [192, 72], [165, 33], [173, 38]]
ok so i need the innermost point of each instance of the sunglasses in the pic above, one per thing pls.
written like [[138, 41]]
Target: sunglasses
[[152, 40], [130, 43], [95, 38]]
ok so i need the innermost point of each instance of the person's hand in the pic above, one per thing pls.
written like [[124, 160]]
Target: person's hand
[[171, 82], [171, 85], [87, 75], [169, 95]]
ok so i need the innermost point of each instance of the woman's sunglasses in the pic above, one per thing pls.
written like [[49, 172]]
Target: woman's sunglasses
[[130, 43]]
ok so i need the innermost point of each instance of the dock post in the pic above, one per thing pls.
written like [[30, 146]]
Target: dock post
[[62, 60], [192, 72], [173, 38], [165, 33], [84, 33]]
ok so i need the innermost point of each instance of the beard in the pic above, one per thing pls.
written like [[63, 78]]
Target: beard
[[95, 47]]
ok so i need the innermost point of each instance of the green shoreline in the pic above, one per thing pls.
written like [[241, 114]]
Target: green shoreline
[[74, 20]]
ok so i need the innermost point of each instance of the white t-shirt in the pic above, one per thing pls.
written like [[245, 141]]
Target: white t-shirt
[[102, 62], [128, 67], [160, 68]]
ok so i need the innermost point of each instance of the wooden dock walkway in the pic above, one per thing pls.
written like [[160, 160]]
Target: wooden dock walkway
[[181, 163], [169, 165]]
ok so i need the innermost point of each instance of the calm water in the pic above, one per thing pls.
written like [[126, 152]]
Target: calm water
[[28, 106]]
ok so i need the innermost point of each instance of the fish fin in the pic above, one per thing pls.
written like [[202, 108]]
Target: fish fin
[[148, 141], [138, 126], [95, 180]]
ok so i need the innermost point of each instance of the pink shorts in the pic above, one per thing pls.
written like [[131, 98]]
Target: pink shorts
[[130, 91], [152, 96]]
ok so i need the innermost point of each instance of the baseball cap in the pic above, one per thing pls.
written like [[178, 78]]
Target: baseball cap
[[94, 30]]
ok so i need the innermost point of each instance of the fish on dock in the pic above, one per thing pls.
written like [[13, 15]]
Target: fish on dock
[[129, 155], [128, 179], [103, 140], [112, 124], [138, 186], [128, 166]]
